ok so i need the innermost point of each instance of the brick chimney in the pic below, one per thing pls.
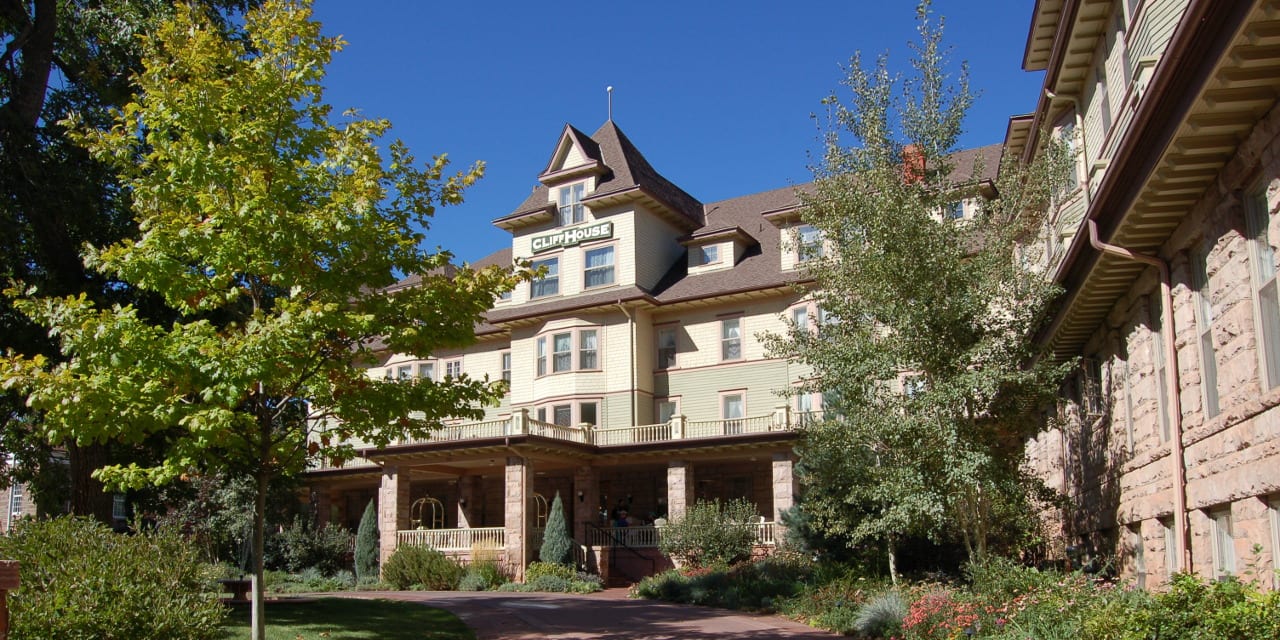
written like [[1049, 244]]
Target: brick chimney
[[912, 164]]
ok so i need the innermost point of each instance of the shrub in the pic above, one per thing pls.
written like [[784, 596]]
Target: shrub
[[302, 546], [556, 578], [81, 581], [482, 575], [557, 545], [710, 533], [367, 543], [759, 585], [536, 570], [421, 568], [881, 616], [1191, 610]]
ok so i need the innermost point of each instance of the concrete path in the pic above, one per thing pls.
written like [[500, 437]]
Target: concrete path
[[608, 615]]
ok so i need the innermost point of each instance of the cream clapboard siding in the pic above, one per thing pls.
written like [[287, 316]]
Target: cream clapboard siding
[[1156, 23], [654, 249], [729, 250], [790, 239], [699, 389], [698, 338], [573, 158]]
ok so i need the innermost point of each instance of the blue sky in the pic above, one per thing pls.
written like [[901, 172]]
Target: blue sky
[[717, 95]]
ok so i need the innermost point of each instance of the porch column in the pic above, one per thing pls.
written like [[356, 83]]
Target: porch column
[[515, 516], [324, 508], [680, 487], [337, 509], [468, 493], [393, 509], [785, 485], [586, 501]]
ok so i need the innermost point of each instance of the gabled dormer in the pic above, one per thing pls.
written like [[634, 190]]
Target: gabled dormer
[[716, 249], [577, 156]]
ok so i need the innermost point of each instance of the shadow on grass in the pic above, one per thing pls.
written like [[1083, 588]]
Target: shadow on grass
[[342, 619]]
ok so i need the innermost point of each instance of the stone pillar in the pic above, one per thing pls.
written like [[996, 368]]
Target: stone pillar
[[680, 487], [324, 508], [393, 509], [515, 514], [468, 493], [586, 501], [785, 486]]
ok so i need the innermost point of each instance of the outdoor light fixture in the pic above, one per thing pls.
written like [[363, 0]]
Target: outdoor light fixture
[[582, 497], [462, 502]]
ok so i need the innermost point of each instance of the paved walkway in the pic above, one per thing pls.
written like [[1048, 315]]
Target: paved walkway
[[607, 615]]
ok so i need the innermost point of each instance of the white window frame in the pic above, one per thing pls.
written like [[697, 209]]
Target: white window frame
[[709, 254], [404, 372], [800, 317], [578, 406], [1266, 289], [661, 363], [727, 343], [569, 208], [607, 269], [1222, 536], [1202, 296], [1170, 546], [555, 414], [954, 210], [733, 424], [1161, 367], [559, 355], [504, 359], [812, 248], [539, 287], [429, 368], [583, 350], [453, 368], [541, 355]]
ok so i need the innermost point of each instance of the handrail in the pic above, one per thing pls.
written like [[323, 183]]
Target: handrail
[[621, 544]]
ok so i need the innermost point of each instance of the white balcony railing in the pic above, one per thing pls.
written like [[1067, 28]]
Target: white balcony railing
[[453, 539], [731, 427], [629, 435], [649, 536]]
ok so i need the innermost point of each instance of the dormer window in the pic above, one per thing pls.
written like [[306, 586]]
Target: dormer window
[[709, 254], [810, 243], [955, 210], [571, 204]]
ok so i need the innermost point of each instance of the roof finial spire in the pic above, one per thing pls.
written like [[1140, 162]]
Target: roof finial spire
[[609, 90]]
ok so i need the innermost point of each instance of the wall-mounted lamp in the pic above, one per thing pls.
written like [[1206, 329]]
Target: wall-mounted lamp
[[582, 497], [462, 502]]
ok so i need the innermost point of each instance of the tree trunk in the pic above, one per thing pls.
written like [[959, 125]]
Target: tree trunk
[[258, 619], [893, 562], [87, 495]]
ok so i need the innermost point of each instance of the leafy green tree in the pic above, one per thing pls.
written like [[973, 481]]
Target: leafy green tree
[[923, 352], [367, 545], [273, 234], [65, 58], [557, 544]]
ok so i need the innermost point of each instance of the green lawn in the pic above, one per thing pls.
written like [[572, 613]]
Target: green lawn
[[346, 619]]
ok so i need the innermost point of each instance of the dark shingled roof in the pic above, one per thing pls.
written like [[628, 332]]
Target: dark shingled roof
[[628, 169], [759, 268]]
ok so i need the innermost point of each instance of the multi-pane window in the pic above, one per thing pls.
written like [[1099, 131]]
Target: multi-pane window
[[541, 414], [732, 409], [453, 369], [588, 412], [666, 348], [1170, 546], [1204, 329], [562, 414], [506, 366], [571, 204], [1224, 544], [709, 254], [1162, 374], [955, 210], [1139, 554], [599, 267], [549, 283], [800, 317], [731, 339], [119, 507], [404, 372], [1267, 299], [561, 352], [426, 371], [588, 349], [667, 409], [542, 356], [809, 244], [15, 500]]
